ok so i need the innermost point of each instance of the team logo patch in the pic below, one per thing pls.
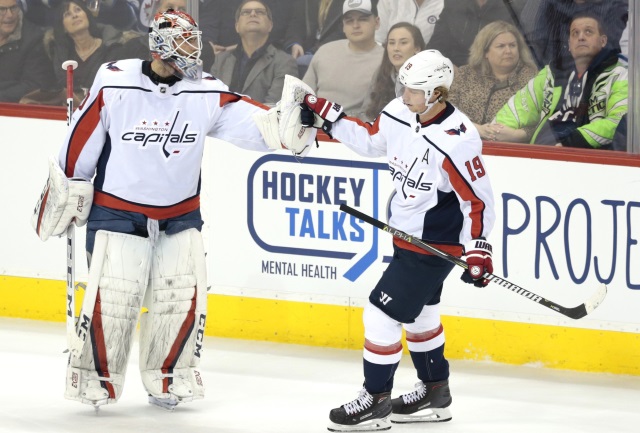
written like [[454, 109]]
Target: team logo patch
[[457, 131], [312, 99], [171, 136], [112, 67], [475, 271]]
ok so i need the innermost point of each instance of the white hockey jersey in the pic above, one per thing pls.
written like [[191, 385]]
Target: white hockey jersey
[[144, 142], [442, 190]]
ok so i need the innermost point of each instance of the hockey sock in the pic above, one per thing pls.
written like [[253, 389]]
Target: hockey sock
[[431, 365], [379, 377]]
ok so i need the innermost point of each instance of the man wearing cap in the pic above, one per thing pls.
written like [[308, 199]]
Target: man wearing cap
[[342, 70]]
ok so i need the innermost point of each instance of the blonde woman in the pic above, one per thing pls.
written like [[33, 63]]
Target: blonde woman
[[499, 65]]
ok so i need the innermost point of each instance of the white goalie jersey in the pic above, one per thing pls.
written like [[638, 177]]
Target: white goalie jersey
[[144, 142]]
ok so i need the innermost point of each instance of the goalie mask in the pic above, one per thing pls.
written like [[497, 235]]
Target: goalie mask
[[425, 71], [175, 39]]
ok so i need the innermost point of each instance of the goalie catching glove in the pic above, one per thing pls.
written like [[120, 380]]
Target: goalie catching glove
[[62, 202], [478, 253], [320, 113], [281, 126]]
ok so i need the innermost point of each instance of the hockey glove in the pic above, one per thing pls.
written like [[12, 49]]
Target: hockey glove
[[320, 113], [478, 253]]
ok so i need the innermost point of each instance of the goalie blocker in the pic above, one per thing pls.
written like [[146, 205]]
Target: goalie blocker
[[128, 272], [62, 202]]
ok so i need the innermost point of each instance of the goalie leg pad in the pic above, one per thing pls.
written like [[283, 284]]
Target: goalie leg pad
[[172, 331], [118, 277], [62, 202]]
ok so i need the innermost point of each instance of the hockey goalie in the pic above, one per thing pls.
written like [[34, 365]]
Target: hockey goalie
[[129, 169]]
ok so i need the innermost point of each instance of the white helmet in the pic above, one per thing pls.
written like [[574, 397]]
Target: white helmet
[[425, 71], [175, 39]]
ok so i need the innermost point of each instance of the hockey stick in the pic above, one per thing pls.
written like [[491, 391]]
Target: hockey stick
[[574, 313], [69, 66]]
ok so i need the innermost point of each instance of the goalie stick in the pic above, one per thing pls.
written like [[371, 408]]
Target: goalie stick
[[69, 66], [574, 313]]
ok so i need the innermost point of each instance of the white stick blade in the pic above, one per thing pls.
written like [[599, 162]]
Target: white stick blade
[[596, 299]]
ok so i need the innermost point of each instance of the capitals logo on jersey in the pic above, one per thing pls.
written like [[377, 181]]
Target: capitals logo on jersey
[[173, 138], [112, 67], [457, 131]]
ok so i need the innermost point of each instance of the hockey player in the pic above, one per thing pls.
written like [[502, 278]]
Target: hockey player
[[442, 195], [140, 134]]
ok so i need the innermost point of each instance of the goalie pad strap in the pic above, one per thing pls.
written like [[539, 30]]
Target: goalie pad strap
[[62, 202], [90, 388]]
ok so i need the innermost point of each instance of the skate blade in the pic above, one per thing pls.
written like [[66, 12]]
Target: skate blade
[[427, 415], [163, 403], [95, 403], [379, 424]]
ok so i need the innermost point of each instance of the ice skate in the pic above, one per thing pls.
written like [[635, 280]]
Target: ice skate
[[429, 402], [368, 412], [94, 394], [168, 404]]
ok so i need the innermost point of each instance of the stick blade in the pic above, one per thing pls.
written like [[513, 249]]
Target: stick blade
[[596, 299], [591, 304]]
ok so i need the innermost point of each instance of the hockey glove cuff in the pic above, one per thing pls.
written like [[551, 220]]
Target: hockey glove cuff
[[320, 113], [478, 254]]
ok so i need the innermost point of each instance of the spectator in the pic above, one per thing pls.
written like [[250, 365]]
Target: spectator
[[137, 46], [77, 36], [342, 70], [323, 22], [421, 13], [121, 14], [546, 26], [148, 10], [403, 41], [461, 21], [624, 43], [563, 106], [24, 66], [620, 136], [255, 67], [217, 18], [499, 65]]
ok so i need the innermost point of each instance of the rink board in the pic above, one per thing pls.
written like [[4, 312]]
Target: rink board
[[285, 265], [341, 327]]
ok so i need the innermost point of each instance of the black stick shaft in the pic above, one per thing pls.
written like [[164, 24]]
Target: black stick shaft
[[574, 313]]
